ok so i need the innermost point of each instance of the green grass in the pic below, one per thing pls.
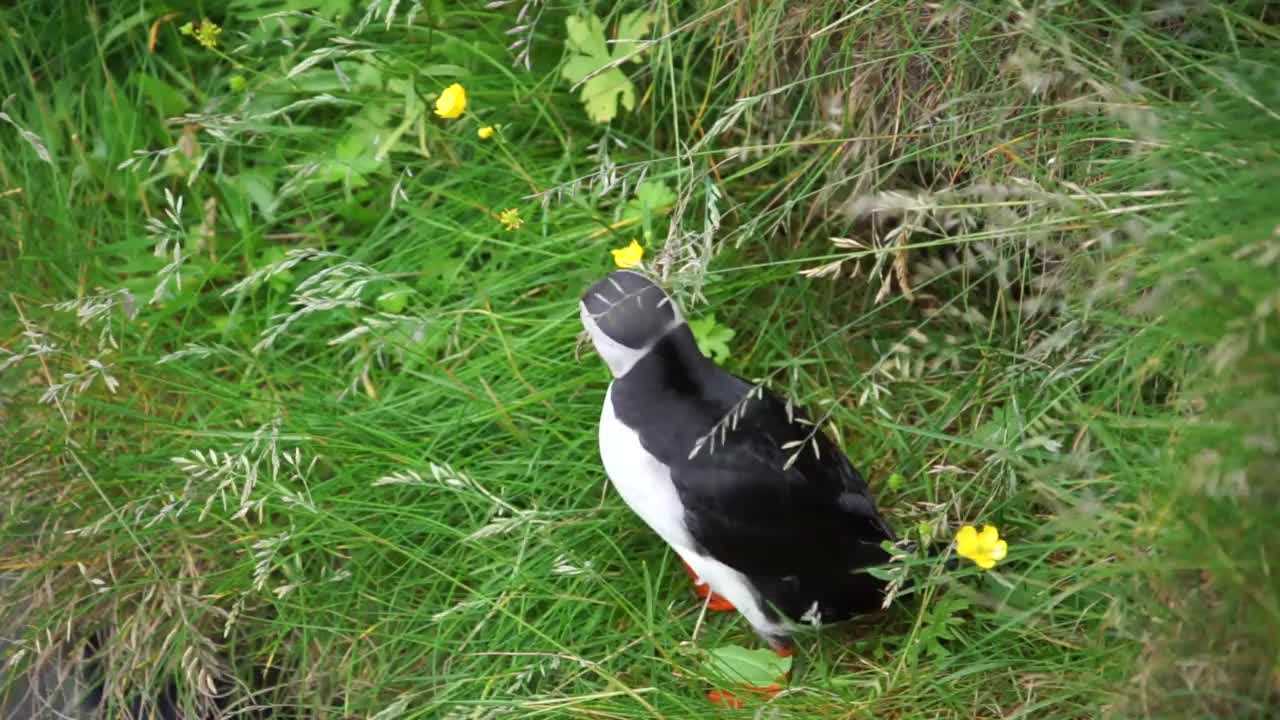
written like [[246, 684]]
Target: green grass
[[1055, 313]]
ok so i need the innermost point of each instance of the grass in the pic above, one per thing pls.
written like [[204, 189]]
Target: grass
[[362, 480]]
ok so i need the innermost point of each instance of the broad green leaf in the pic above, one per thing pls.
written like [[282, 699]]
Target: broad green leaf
[[632, 28], [355, 154], [712, 338], [578, 67], [600, 95], [394, 300], [652, 196], [352, 159], [590, 53], [757, 668], [586, 36]]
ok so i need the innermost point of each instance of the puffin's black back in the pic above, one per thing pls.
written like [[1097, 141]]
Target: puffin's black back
[[630, 308], [800, 530]]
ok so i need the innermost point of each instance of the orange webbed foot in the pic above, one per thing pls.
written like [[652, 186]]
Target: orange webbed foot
[[729, 699], [716, 603]]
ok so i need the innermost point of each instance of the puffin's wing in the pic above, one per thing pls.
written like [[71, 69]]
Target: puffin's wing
[[747, 507]]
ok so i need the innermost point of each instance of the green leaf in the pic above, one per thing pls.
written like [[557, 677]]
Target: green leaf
[[757, 668], [586, 36], [355, 154], [655, 194], [603, 89], [713, 338], [578, 67], [938, 625], [632, 28], [652, 196], [600, 95], [352, 159], [394, 300]]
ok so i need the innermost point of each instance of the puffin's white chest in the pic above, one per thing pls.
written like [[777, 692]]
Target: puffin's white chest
[[643, 482], [645, 485]]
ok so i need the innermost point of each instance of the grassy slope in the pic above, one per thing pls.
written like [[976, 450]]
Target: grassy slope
[[1049, 372]]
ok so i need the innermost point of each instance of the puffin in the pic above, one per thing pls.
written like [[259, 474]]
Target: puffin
[[766, 512]]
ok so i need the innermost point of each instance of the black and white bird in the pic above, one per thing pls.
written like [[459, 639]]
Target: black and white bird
[[756, 500]]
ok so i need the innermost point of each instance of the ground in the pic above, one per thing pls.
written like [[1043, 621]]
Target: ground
[[293, 413]]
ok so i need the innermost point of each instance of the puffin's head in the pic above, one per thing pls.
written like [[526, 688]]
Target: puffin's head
[[625, 315]]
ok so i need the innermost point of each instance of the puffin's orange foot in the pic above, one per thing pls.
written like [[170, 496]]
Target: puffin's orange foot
[[702, 590], [728, 699]]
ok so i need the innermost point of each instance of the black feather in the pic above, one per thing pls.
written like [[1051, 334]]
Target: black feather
[[768, 493]]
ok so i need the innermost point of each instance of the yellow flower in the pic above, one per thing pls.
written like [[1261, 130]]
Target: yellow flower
[[510, 219], [629, 256], [983, 548], [452, 102], [485, 132], [207, 34]]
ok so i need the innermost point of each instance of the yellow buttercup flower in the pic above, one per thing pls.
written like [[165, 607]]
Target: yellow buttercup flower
[[452, 102], [510, 219], [485, 132], [629, 256], [983, 548]]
